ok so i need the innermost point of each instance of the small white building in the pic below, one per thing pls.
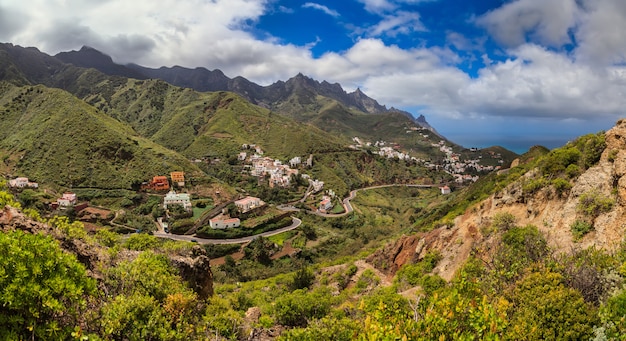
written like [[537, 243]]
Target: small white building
[[67, 200], [317, 185], [445, 190], [294, 162], [219, 223], [248, 204], [326, 204], [22, 183], [173, 198]]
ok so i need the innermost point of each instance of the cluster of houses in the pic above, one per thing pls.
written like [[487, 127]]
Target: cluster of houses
[[22, 182], [162, 183], [245, 205], [278, 173], [458, 168]]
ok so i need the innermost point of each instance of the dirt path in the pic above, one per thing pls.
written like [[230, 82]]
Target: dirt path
[[362, 265]]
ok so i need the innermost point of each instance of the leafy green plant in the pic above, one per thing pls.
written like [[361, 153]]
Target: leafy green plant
[[42, 289], [580, 228], [593, 203], [299, 307], [561, 186]]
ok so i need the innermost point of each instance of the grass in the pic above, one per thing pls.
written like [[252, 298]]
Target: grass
[[279, 239], [197, 211], [71, 144]]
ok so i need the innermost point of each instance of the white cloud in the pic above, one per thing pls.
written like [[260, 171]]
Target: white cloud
[[322, 8], [399, 23], [533, 81], [546, 22], [378, 6], [601, 33]]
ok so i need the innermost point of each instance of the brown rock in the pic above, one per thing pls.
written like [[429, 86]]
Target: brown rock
[[196, 271]]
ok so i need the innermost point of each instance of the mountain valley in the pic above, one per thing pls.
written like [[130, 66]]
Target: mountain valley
[[390, 231]]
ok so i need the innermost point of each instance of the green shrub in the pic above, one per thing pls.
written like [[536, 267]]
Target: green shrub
[[503, 221], [42, 288], [580, 228], [572, 171], [534, 185], [561, 186], [297, 308], [412, 274], [592, 204], [432, 283], [141, 242]]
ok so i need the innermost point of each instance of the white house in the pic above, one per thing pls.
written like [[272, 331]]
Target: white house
[[219, 223], [248, 203], [326, 204], [22, 183], [173, 198], [67, 200], [317, 185], [295, 161], [445, 190]]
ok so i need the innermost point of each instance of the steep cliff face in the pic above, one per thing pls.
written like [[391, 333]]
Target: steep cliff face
[[552, 214]]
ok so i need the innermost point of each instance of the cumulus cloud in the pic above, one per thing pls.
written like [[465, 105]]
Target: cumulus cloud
[[535, 77], [322, 8], [517, 22], [533, 82], [601, 32]]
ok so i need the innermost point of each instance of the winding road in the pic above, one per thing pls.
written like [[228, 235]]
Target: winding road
[[347, 206], [295, 221]]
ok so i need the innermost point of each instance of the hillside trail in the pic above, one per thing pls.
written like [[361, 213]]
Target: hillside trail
[[362, 265]]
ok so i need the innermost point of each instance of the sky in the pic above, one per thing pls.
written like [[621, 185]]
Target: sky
[[515, 73]]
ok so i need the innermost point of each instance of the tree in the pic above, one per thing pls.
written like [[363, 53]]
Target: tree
[[303, 278], [42, 288]]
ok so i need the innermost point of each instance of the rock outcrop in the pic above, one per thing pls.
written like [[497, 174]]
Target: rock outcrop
[[196, 271], [552, 214]]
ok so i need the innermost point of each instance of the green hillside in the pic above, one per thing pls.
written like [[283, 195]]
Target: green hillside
[[199, 124], [53, 137]]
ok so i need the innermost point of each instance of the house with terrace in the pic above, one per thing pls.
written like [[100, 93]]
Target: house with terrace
[[173, 198]]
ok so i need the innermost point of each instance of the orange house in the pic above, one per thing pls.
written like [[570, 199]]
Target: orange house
[[158, 183], [178, 178]]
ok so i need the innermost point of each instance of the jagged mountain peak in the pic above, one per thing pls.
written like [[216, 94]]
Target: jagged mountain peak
[[89, 57]]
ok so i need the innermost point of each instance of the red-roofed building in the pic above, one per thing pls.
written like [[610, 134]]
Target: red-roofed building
[[248, 204], [158, 183], [326, 204], [445, 190], [220, 223]]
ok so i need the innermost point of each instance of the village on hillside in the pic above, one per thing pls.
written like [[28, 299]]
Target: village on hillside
[[168, 203]]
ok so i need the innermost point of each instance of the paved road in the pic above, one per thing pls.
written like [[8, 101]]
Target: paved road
[[294, 224], [347, 206], [295, 221]]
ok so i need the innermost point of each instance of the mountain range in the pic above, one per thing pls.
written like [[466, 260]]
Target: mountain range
[[202, 79], [294, 118]]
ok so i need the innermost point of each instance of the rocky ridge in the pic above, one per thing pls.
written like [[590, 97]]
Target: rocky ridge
[[551, 214]]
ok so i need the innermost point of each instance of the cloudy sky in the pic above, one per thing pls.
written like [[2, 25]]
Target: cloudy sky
[[515, 73]]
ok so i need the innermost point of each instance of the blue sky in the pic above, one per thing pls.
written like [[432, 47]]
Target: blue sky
[[483, 72]]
